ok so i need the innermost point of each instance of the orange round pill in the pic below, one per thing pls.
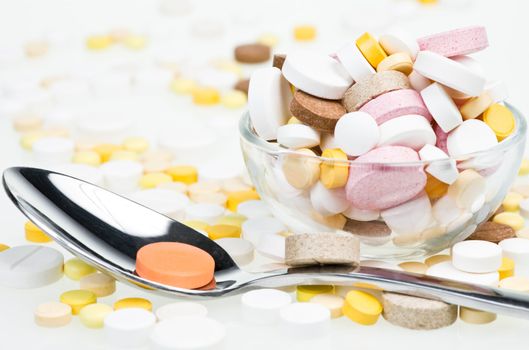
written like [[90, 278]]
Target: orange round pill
[[175, 264]]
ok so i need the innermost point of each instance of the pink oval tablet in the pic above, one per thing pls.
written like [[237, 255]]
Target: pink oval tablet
[[441, 138], [396, 104], [461, 41], [380, 186]]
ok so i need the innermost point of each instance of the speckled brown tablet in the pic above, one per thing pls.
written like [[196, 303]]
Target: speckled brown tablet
[[319, 113], [492, 232], [367, 228], [242, 85], [278, 60], [252, 53], [373, 86], [417, 313], [324, 248]]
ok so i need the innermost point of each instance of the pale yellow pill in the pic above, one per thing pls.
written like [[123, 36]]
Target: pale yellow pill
[[517, 283], [371, 49], [87, 157], [136, 144], [203, 187], [507, 268], [179, 187], [211, 198], [183, 86], [155, 166], [135, 42], [27, 139], [523, 233], [98, 42], [187, 174], [236, 198], [105, 150], [305, 293], [197, 224], [475, 106], [414, 267], [268, 39], [399, 61], [27, 122], [436, 259], [78, 299], [524, 167], [36, 48], [514, 220], [334, 173], [93, 315], [235, 185], [500, 119], [35, 234], [228, 65], [511, 202], [75, 269], [232, 219], [205, 96], [304, 33], [336, 221], [332, 302], [223, 231], [157, 155], [53, 314], [233, 99], [474, 316], [3, 247], [362, 307], [98, 283], [152, 180], [124, 155], [301, 169], [128, 303]]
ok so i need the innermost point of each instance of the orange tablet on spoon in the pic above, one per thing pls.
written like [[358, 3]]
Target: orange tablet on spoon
[[175, 264]]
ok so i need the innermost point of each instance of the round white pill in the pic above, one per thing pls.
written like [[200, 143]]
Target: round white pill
[[328, 201], [206, 212], [412, 131], [122, 176], [254, 208], [272, 246], [399, 42], [448, 271], [53, 150], [269, 96], [262, 306], [518, 250], [305, 319], [441, 106], [82, 171], [317, 74], [476, 256], [411, 217], [441, 167], [181, 309], [361, 214], [129, 327], [354, 62], [297, 136], [167, 202], [356, 133], [471, 136], [188, 333], [253, 229], [241, 250], [30, 266]]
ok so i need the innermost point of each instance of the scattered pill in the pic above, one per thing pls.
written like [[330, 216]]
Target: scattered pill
[[371, 49], [100, 284], [98, 42], [78, 299], [53, 150], [53, 314], [305, 293], [356, 133], [517, 283], [122, 176], [35, 234], [492, 232], [223, 231], [93, 315], [253, 208], [447, 270], [474, 316], [500, 119], [513, 220], [87, 157], [334, 303], [319, 113], [180, 309], [209, 213], [152, 180], [127, 303], [252, 53], [305, 33], [362, 307], [262, 306], [240, 250], [414, 266], [461, 41], [126, 328], [436, 259], [76, 269], [517, 249], [3, 247], [476, 256], [254, 229]]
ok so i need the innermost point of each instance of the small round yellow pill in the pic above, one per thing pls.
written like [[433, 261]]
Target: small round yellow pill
[[434, 188], [304, 33], [233, 99], [98, 283], [236, 198], [197, 224], [334, 173], [124, 155], [93, 315], [301, 169], [152, 180], [105, 150], [305, 293], [53, 314], [475, 106], [135, 42], [517, 283], [35, 234], [371, 49], [211, 198], [183, 86], [362, 307], [223, 231], [524, 167], [500, 119], [187, 174], [87, 157], [399, 61], [268, 39], [76, 269], [205, 96], [474, 316], [78, 299], [507, 268], [232, 219], [514, 220], [136, 144], [511, 202], [332, 302], [127, 303], [3, 247], [98, 42]]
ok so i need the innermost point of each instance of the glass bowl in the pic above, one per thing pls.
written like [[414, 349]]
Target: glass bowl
[[408, 235]]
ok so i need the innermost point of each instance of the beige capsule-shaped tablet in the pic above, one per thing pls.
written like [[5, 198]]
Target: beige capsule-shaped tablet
[[468, 190], [414, 266], [301, 169], [331, 301], [475, 106], [474, 316], [53, 314], [98, 283], [399, 61]]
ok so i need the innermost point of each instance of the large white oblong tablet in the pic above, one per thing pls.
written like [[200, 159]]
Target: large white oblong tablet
[[166, 202], [261, 306], [269, 96], [476, 256], [441, 106], [305, 319], [53, 150], [129, 327], [411, 217], [188, 333], [356, 133], [412, 131], [328, 201], [471, 136], [449, 73], [399, 42], [448, 271], [473, 65], [180, 309], [354, 62], [30, 266], [317, 74], [441, 167], [297, 136]]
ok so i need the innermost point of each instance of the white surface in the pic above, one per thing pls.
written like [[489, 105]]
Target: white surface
[[68, 22]]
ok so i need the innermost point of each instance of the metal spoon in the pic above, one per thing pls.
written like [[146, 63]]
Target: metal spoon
[[107, 230]]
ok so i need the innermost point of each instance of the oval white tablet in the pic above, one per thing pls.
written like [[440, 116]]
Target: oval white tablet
[[122, 176], [412, 131], [209, 213], [30, 266], [166, 202], [253, 229], [476, 256], [297, 136], [471, 136], [188, 333], [328, 201], [129, 327], [356, 133], [240, 250], [518, 250], [440, 167], [317, 74], [269, 96], [305, 320], [253, 209], [180, 309], [441, 106], [53, 150], [411, 217], [448, 271], [261, 306], [354, 62]]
